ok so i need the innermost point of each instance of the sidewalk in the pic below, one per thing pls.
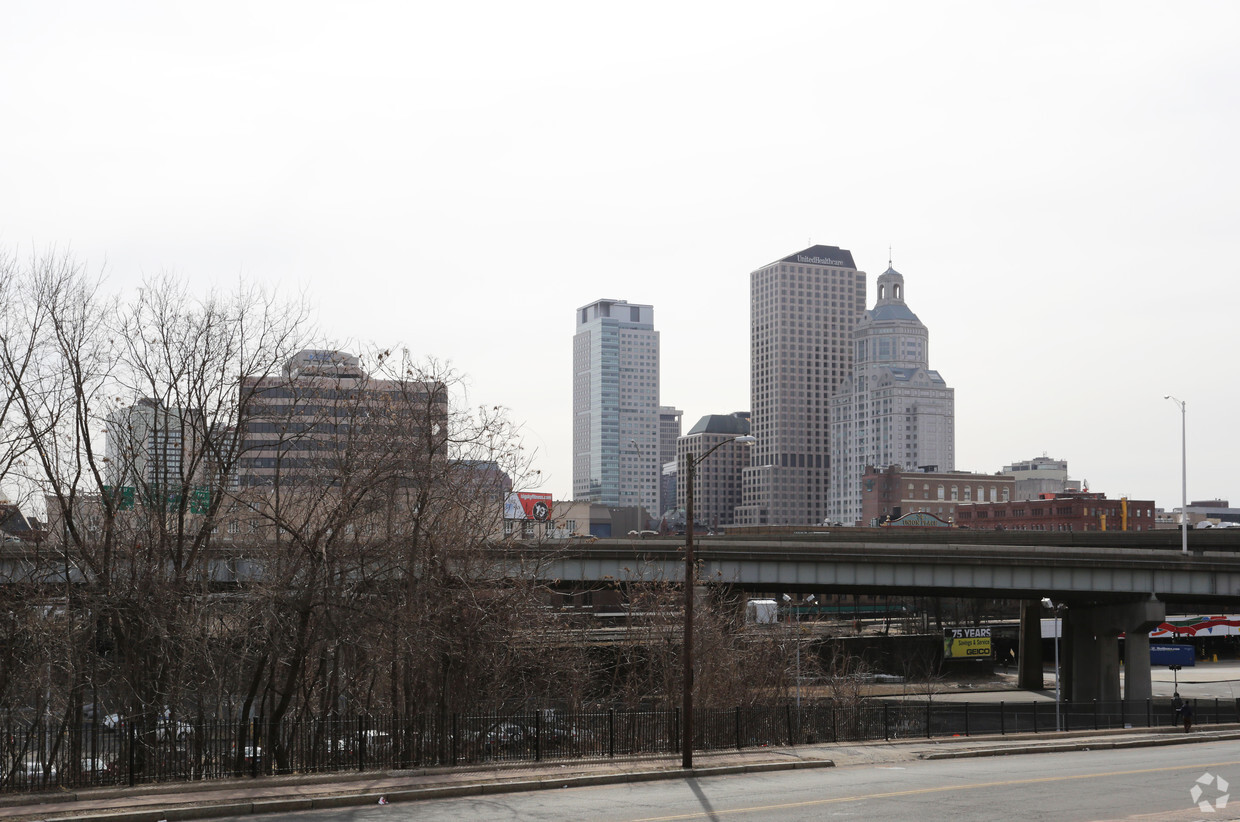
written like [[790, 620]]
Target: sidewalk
[[226, 798]]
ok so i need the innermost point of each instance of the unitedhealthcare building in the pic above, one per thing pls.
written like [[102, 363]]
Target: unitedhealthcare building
[[616, 447], [803, 309]]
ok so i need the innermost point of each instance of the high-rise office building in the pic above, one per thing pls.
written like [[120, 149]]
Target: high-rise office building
[[324, 419], [803, 309], [616, 451], [717, 479], [893, 410], [669, 432], [145, 446]]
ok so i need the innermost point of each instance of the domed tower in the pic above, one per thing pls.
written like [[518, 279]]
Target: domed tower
[[890, 333], [893, 410], [890, 287]]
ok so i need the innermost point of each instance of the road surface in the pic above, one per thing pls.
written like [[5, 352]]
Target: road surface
[[1137, 784]]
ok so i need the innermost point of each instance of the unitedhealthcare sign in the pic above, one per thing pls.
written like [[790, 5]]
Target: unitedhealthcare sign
[[801, 258], [823, 255]]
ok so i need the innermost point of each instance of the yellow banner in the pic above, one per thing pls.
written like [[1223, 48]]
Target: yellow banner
[[967, 643]]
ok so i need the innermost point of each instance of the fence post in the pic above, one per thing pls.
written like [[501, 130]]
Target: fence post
[[788, 719], [676, 729], [1216, 720], [738, 727], [1123, 714], [538, 736], [1095, 714], [928, 704], [1002, 727], [361, 743], [1035, 716], [253, 748], [886, 726], [132, 753], [455, 738], [611, 733], [966, 719], [1149, 712]]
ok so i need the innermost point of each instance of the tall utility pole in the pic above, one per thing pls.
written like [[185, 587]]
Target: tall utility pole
[[1183, 472]]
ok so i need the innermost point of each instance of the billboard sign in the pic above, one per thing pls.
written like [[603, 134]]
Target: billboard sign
[[1168, 655], [528, 505], [966, 643]]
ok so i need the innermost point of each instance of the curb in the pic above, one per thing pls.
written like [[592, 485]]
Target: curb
[[1082, 745], [369, 797]]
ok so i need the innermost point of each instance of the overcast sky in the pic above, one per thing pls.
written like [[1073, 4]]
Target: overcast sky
[[1058, 181]]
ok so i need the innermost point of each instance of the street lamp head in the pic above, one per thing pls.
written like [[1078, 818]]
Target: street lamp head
[[787, 598], [746, 439], [811, 599], [1046, 603]]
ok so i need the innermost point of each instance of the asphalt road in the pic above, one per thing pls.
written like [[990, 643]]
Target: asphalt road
[[1136, 784]]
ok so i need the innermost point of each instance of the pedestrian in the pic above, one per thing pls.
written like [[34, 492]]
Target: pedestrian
[[1186, 711]]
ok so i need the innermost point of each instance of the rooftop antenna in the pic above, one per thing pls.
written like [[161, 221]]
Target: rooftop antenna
[[889, 256]]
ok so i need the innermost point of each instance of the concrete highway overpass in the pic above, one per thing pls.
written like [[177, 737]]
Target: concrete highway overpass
[[1012, 569], [1112, 584]]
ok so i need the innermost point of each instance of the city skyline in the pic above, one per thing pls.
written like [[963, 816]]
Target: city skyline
[[1058, 179]]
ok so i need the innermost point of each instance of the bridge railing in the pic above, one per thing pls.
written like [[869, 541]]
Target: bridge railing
[[121, 753]]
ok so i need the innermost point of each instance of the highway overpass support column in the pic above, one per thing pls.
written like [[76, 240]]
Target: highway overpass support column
[[1095, 631], [1029, 665], [1143, 618], [1081, 638]]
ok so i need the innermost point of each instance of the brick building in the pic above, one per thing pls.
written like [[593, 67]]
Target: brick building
[[890, 493], [1069, 511]]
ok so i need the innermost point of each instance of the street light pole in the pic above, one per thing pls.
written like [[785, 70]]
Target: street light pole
[[686, 697], [1058, 609], [1183, 472]]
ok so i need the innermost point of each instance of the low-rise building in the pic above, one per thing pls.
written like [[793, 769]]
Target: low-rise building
[[890, 493], [1040, 475], [1069, 511]]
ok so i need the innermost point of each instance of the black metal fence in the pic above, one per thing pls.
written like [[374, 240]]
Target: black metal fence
[[123, 753]]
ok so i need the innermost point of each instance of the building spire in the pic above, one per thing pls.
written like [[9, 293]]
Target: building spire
[[889, 256]]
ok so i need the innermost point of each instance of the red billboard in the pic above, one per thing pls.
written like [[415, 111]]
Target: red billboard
[[528, 505]]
